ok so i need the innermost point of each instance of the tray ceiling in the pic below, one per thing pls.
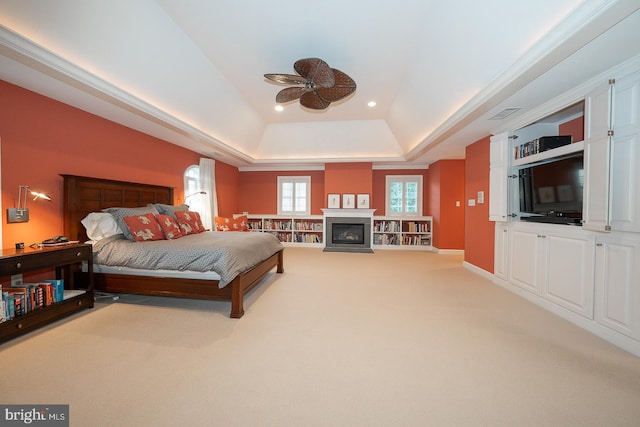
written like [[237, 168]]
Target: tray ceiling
[[191, 71]]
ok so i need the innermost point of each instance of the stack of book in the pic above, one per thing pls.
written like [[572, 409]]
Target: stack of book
[[20, 299]]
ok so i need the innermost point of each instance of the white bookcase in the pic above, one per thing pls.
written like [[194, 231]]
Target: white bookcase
[[294, 231], [406, 233]]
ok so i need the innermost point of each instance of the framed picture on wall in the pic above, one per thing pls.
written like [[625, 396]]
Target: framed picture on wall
[[334, 201], [363, 201], [348, 201]]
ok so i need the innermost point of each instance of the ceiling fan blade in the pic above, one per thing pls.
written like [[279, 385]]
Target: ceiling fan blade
[[343, 87], [287, 79], [289, 94], [313, 101], [316, 70]]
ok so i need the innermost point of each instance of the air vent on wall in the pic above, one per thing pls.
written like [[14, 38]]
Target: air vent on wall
[[504, 113]]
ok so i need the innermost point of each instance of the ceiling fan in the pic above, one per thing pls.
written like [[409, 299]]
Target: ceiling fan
[[317, 85]]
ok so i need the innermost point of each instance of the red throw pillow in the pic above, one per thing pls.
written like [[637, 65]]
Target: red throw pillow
[[231, 224], [169, 227], [144, 227], [189, 222]]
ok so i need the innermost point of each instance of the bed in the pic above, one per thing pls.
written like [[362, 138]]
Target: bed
[[84, 195]]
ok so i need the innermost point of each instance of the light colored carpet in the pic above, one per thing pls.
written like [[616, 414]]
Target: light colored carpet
[[393, 338]]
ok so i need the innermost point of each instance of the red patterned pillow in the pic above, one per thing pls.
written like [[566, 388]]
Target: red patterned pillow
[[169, 227], [144, 227], [189, 222], [231, 224]]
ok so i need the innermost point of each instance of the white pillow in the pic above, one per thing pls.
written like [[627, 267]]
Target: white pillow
[[100, 225]]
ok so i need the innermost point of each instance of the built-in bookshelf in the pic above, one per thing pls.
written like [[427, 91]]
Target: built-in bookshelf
[[402, 232], [412, 233], [304, 230]]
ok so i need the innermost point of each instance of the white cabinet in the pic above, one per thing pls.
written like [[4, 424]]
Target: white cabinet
[[524, 266], [498, 169], [501, 251], [554, 263], [617, 283], [568, 272], [612, 156], [625, 155]]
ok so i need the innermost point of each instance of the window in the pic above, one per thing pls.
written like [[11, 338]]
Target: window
[[404, 195], [192, 187], [294, 195]]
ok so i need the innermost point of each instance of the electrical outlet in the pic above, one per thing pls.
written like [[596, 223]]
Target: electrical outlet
[[16, 280]]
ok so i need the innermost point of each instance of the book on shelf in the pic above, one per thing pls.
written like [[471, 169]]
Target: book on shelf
[[20, 299], [58, 286]]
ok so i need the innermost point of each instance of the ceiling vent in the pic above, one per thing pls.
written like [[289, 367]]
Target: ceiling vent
[[504, 113]]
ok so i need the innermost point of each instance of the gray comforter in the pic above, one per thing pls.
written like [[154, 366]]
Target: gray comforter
[[226, 253]]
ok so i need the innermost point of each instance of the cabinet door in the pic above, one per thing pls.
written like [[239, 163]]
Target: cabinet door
[[625, 155], [568, 277], [501, 254], [597, 146], [524, 268], [498, 168], [617, 297]]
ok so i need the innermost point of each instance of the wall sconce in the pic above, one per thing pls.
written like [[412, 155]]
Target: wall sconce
[[21, 213]]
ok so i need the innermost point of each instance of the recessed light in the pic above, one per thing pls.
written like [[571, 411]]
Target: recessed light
[[279, 108], [372, 103]]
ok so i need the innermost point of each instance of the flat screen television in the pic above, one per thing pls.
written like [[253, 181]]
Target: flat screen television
[[552, 192]]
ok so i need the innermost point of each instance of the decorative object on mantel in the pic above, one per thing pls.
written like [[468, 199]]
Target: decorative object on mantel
[[363, 201], [348, 201], [334, 201], [21, 212], [317, 85]]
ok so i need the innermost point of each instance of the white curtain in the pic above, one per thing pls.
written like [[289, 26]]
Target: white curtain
[[208, 184]]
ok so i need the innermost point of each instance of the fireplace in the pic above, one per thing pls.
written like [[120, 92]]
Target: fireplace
[[348, 234]]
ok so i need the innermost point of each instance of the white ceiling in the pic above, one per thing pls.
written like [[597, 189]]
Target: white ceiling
[[191, 71]]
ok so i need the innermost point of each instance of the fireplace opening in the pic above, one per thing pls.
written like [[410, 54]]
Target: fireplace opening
[[348, 234]]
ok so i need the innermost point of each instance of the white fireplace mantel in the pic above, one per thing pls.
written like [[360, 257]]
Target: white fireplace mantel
[[349, 213]]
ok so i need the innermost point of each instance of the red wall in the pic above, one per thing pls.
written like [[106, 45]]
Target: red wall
[[227, 183], [479, 234], [573, 127], [42, 138], [446, 182], [258, 191], [348, 178]]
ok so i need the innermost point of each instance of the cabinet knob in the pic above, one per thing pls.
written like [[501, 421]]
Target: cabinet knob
[[18, 265], [79, 254], [19, 326], [599, 244]]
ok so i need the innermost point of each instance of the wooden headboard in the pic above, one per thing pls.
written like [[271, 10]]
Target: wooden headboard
[[83, 195]]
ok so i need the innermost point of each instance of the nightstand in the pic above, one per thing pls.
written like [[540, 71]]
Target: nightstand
[[65, 260]]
